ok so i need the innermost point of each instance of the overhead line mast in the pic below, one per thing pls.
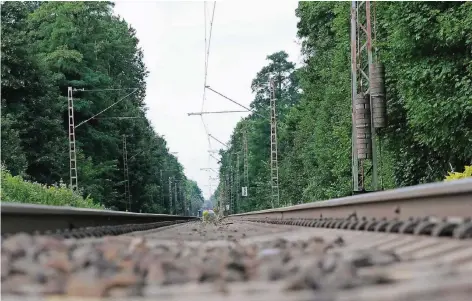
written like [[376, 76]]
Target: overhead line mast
[[274, 168], [368, 95], [126, 176], [74, 183], [244, 192]]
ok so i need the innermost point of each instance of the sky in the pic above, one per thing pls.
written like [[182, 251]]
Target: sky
[[172, 37]]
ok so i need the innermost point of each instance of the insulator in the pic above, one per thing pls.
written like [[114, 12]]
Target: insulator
[[363, 128], [377, 90]]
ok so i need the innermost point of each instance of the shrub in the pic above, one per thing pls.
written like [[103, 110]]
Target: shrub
[[205, 215], [15, 189], [459, 175]]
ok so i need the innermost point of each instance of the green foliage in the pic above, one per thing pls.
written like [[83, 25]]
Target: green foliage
[[208, 217], [49, 46], [205, 216], [459, 175], [426, 50], [193, 196], [16, 190], [429, 73]]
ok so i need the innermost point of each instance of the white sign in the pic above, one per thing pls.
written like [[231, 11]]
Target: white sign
[[244, 191], [227, 207]]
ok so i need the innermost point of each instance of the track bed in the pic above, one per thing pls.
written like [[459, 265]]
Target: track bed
[[236, 260]]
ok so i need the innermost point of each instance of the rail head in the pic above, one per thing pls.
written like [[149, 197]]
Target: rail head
[[32, 218], [443, 199]]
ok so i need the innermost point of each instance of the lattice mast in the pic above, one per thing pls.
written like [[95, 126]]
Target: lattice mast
[[231, 184], [170, 195], [161, 184], [126, 175], [182, 197], [238, 186], [71, 129], [74, 185], [368, 95], [222, 207], [246, 164], [185, 206], [176, 199], [274, 169], [227, 193]]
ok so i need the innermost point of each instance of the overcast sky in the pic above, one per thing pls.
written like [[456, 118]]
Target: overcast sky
[[172, 35]]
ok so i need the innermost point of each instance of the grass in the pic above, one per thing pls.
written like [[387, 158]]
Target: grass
[[14, 189]]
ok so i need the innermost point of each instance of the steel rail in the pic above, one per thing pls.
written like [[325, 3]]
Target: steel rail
[[441, 200], [40, 218]]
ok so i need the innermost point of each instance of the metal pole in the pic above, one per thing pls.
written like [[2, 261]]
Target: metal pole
[[246, 164], [231, 188], [161, 184], [74, 184], [170, 195], [274, 170], [126, 176], [355, 160], [238, 188], [176, 196], [373, 132], [182, 199], [228, 193]]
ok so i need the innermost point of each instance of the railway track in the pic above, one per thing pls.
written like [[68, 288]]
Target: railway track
[[378, 246]]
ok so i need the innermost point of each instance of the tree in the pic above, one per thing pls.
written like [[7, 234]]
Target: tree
[[283, 73], [426, 50], [50, 46]]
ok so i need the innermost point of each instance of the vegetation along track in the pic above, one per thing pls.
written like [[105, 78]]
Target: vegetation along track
[[237, 258]]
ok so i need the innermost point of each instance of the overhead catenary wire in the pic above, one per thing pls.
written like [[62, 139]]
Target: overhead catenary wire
[[217, 160], [207, 54], [113, 104], [207, 50], [237, 103], [119, 117], [205, 70], [107, 89], [218, 141], [215, 112]]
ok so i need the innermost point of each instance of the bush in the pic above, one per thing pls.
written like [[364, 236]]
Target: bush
[[205, 215], [459, 175], [16, 190]]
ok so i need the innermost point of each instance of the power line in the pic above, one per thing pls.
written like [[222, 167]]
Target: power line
[[217, 160], [209, 135], [205, 69], [215, 112], [119, 117], [207, 51], [207, 54], [113, 104], [235, 102], [208, 168], [97, 90], [136, 154]]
